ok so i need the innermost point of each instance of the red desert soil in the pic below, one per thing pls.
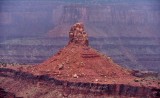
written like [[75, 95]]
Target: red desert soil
[[78, 62]]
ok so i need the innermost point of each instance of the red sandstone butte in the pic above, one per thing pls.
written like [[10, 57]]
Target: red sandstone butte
[[77, 71], [78, 62]]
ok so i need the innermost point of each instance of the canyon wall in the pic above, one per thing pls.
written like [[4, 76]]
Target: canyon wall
[[136, 53], [29, 18]]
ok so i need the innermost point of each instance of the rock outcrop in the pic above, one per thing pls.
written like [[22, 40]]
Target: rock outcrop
[[79, 58], [78, 35], [26, 81], [5, 94], [78, 62]]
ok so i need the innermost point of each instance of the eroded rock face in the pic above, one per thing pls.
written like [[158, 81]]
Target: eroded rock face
[[4, 94], [78, 35], [70, 89]]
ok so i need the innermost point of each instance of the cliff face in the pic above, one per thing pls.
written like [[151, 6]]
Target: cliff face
[[44, 86], [129, 19], [131, 14]]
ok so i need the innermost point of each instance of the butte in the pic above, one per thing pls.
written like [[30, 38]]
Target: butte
[[77, 71], [78, 62]]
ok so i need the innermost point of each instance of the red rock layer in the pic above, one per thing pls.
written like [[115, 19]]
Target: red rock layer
[[79, 62]]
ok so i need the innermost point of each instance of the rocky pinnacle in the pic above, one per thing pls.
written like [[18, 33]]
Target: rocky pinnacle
[[77, 35]]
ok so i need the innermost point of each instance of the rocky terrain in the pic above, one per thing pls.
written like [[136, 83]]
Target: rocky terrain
[[127, 31], [78, 71], [4, 94], [26, 85], [79, 60]]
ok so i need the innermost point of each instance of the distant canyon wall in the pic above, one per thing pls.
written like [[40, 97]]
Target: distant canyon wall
[[35, 19], [113, 14]]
